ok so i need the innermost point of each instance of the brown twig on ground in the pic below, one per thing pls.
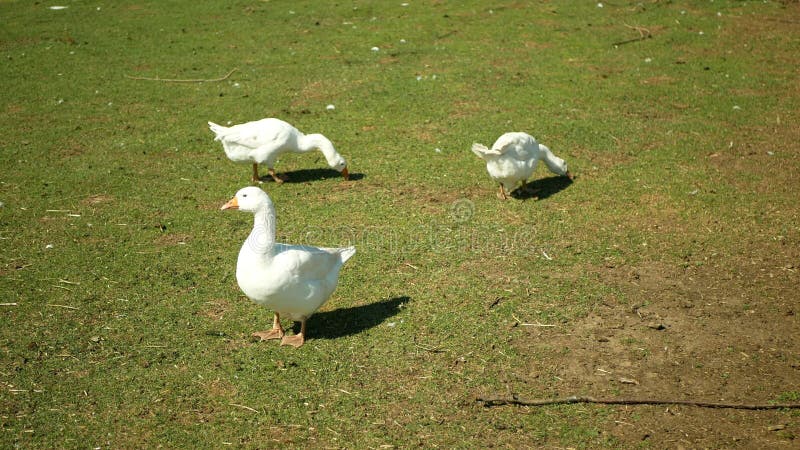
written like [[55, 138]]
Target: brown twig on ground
[[244, 407], [514, 400], [62, 306], [176, 80], [644, 33]]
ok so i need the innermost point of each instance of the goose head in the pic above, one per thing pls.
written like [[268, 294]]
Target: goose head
[[560, 167], [340, 165], [250, 199]]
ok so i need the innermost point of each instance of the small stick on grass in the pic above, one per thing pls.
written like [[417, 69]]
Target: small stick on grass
[[537, 324], [514, 400], [9, 304], [245, 407], [178, 80], [644, 33], [62, 306], [431, 349]]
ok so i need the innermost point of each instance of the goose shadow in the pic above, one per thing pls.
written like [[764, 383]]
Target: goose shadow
[[542, 188], [306, 175], [353, 320]]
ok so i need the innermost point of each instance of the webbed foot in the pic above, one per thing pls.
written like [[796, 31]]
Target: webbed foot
[[295, 340], [275, 333]]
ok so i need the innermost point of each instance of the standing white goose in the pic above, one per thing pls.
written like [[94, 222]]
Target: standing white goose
[[292, 280], [513, 158], [263, 141]]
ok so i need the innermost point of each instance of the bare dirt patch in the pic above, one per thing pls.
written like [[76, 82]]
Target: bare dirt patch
[[172, 239], [97, 199], [726, 331], [216, 309]]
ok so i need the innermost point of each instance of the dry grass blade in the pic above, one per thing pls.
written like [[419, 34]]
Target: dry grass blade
[[245, 407], [644, 33], [62, 306], [178, 80]]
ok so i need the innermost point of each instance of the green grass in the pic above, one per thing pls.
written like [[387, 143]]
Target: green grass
[[127, 328]]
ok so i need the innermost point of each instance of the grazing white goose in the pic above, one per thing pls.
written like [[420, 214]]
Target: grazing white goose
[[292, 280], [513, 158], [263, 141]]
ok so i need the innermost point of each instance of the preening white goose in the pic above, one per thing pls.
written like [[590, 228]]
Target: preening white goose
[[263, 141], [513, 158], [292, 280]]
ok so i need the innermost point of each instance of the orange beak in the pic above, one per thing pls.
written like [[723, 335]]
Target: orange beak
[[232, 204], [345, 174]]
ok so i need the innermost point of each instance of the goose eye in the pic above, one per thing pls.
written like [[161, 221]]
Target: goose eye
[[244, 195]]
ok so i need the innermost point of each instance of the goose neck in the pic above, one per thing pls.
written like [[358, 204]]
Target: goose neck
[[318, 141], [262, 238]]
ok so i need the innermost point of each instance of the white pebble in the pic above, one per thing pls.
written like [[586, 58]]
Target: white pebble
[[769, 153], [599, 5], [647, 60], [437, 150], [737, 107], [330, 107], [375, 49], [48, 246]]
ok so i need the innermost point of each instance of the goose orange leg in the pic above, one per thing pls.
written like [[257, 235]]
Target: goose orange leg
[[529, 190], [275, 333], [298, 339], [502, 194], [278, 178], [256, 180]]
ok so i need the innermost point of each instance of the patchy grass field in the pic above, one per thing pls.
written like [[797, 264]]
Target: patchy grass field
[[668, 269]]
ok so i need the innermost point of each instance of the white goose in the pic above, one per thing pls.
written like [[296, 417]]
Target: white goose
[[513, 158], [292, 280], [263, 141]]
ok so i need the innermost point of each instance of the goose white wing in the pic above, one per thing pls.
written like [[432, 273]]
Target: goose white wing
[[484, 152], [253, 135], [311, 263]]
